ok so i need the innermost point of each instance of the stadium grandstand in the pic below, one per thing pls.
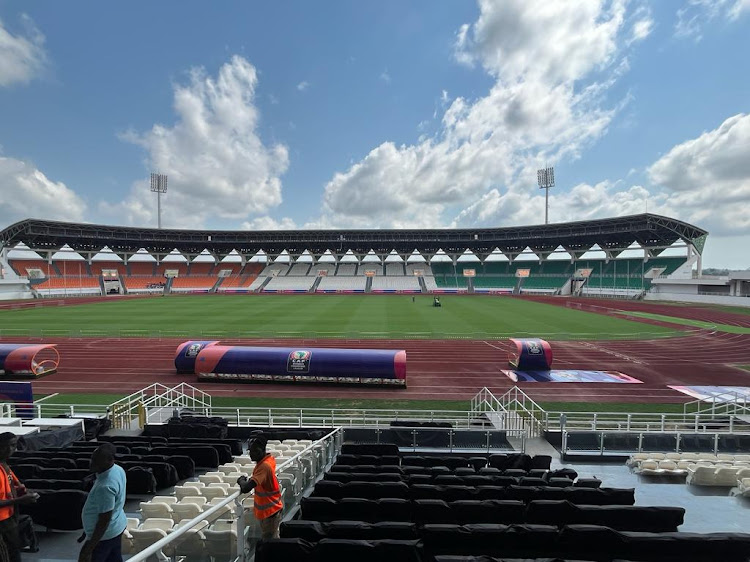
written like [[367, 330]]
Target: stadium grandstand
[[488, 455], [629, 257]]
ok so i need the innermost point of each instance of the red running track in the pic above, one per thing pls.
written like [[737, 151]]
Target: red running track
[[437, 369]]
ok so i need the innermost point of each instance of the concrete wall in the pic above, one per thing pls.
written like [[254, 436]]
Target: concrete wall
[[13, 289], [699, 299]]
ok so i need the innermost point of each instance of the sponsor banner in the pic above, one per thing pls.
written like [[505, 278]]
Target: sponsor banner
[[419, 272], [370, 273], [569, 375], [299, 362], [717, 394], [523, 272], [470, 272]]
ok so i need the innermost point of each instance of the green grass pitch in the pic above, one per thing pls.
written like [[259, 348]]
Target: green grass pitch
[[318, 316]]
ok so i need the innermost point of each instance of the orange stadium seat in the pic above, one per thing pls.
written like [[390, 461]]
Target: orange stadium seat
[[235, 268], [70, 268], [194, 282], [201, 268], [142, 268], [98, 266], [238, 281], [143, 282], [70, 282], [179, 266], [22, 267]]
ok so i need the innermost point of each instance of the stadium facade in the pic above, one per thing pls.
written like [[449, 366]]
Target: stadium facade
[[523, 259]]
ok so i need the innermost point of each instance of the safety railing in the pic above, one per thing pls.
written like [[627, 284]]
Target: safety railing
[[295, 475], [441, 438], [635, 421], [333, 417], [611, 443]]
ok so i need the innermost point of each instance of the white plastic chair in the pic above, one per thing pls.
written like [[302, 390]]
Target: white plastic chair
[[230, 467], [184, 511], [648, 468], [209, 479], [158, 510], [143, 538], [725, 476], [181, 492], [725, 457], [212, 492], [221, 545], [194, 484], [673, 457], [689, 456], [169, 500], [127, 537], [191, 544], [701, 476], [160, 523]]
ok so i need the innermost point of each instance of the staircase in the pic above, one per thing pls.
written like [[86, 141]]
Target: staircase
[[368, 285], [422, 284], [469, 284], [216, 285], [101, 286], [122, 284], [315, 285], [262, 285], [168, 285]]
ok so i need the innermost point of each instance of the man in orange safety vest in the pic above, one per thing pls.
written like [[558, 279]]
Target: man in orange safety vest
[[267, 506]]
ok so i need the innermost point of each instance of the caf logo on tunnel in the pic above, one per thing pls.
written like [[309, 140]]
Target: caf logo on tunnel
[[299, 361]]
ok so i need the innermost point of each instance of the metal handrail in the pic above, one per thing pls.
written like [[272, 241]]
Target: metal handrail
[[172, 536]]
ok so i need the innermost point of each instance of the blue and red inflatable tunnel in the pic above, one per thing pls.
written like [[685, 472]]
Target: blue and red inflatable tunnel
[[211, 361], [28, 359], [530, 354]]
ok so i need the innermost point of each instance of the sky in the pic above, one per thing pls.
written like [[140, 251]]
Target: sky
[[387, 114]]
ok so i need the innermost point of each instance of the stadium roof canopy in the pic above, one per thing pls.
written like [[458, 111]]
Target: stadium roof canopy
[[652, 232]]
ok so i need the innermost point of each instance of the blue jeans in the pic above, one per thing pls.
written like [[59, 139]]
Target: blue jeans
[[108, 551]]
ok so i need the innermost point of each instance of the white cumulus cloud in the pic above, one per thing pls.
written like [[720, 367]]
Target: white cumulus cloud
[[25, 192], [217, 164], [22, 56], [553, 63], [269, 223], [708, 178]]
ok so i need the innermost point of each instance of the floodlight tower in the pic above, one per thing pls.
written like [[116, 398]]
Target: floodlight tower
[[546, 179], [159, 186]]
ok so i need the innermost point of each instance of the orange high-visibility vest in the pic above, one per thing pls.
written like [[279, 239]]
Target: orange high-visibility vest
[[7, 482], [267, 497]]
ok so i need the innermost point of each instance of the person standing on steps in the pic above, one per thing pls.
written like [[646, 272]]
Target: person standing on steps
[[103, 516], [268, 506], [12, 494]]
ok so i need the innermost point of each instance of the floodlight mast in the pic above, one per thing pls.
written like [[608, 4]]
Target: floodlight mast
[[546, 179], [159, 186]]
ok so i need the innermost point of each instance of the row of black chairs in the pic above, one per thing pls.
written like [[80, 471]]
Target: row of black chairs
[[531, 490], [579, 542], [452, 480], [428, 509], [542, 512], [236, 445]]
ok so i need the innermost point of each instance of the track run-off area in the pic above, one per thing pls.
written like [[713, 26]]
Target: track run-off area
[[441, 369]]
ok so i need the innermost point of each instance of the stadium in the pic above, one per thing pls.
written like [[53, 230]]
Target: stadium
[[520, 419]]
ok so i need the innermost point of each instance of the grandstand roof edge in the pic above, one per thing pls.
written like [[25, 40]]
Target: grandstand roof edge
[[648, 230]]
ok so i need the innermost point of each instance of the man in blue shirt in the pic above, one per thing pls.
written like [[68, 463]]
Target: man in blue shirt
[[103, 516]]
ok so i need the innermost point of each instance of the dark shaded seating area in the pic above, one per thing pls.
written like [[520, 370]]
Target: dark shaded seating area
[[374, 504], [487, 542]]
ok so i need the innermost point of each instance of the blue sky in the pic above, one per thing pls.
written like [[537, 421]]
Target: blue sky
[[388, 114]]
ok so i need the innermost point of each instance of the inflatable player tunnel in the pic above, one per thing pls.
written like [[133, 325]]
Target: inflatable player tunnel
[[530, 354], [214, 362], [28, 360]]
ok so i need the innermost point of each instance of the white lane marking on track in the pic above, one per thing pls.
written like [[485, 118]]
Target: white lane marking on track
[[493, 346], [611, 352]]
